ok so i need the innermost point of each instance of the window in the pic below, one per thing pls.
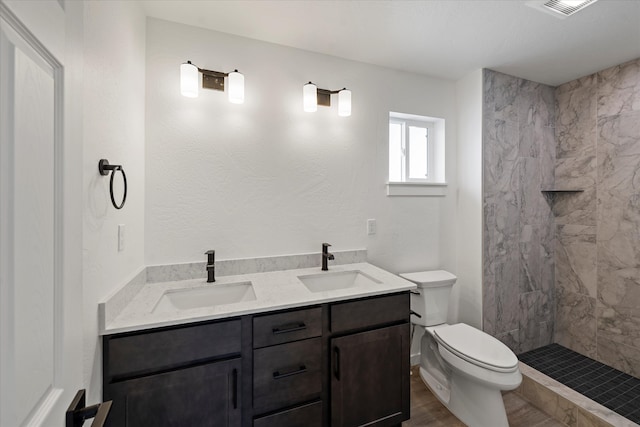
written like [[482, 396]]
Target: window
[[410, 150], [416, 151]]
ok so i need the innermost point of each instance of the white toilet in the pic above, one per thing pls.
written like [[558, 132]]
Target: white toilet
[[464, 367]]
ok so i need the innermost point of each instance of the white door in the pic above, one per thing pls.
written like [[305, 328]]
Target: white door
[[40, 294]]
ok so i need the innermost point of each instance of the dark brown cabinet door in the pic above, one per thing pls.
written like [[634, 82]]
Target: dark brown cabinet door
[[206, 395], [370, 378]]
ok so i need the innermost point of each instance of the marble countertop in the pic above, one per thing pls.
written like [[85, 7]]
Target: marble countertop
[[274, 290]]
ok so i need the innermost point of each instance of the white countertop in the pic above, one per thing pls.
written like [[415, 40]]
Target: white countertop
[[273, 290]]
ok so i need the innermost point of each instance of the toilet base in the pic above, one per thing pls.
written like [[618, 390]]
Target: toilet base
[[440, 390], [471, 402]]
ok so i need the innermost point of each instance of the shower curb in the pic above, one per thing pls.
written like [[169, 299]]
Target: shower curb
[[565, 405]]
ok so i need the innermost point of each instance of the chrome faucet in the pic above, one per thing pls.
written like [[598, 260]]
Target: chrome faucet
[[211, 265], [326, 256]]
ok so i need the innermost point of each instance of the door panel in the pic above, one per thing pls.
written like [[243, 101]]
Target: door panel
[[40, 357], [369, 378], [207, 396], [34, 232]]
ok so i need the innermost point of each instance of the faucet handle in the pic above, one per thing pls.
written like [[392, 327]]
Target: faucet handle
[[326, 245], [211, 257]]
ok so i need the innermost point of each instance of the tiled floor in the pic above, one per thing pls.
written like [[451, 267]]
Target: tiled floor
[[427, 411], [607, 386]]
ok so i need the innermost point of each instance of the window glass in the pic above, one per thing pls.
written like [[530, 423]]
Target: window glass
[[396, 152], [418, 142]]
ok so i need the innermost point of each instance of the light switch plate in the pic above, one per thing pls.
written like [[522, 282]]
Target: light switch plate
[[372, 227], [120, 237]]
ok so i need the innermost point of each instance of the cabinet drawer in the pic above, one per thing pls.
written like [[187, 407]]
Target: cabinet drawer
[[370, 312], [153, 351], [286, 327], [286, 374], [303, 416]]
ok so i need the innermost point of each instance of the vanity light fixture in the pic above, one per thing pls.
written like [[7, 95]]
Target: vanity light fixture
[[312, 97], [211, 80]]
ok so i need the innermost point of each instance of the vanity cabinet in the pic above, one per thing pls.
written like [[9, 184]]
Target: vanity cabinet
[[370, 369], [206, 395], [287, 368], [369, 378], [181, 376], [337, 364]]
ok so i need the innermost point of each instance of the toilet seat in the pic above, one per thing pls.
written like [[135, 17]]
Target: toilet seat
[[476, 347]]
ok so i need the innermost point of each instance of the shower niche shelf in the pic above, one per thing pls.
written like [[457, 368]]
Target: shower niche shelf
[[561, 191], [554, 194]]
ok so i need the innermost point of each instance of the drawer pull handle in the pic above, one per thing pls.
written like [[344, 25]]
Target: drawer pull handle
[[291, 327], [336, 367], [295, 371], [235, 389]]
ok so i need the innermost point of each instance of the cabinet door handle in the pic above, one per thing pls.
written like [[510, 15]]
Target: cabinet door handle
[[295, 371], [235, 388], [336, 366], [291, 327]]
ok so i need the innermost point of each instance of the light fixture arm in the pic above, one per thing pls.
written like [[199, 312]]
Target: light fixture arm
[[324, 96], [212, 73], [330, 92], [212, 79]]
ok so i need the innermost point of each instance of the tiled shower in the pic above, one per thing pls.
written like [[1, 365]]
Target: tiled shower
[[518, 235], [564, 267]]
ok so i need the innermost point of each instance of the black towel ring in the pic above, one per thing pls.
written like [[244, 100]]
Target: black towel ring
[[104, 167]]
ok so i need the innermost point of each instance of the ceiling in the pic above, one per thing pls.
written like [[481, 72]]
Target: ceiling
[[446, 39]]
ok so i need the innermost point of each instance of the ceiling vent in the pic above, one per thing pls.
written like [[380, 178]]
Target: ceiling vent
[[560, 8]]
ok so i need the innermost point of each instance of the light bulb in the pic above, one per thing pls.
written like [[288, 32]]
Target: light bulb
[[189, 80], [310, 97], [344, 103]]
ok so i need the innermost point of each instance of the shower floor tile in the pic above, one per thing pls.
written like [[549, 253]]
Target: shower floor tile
[[609, 387]]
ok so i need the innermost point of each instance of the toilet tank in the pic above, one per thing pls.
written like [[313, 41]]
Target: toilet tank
[[431, 301]]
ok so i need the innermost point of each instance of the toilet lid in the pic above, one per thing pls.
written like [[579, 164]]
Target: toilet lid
[[430, 279], [476, 347]]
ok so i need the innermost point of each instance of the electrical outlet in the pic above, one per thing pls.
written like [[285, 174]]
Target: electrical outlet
[[120, 237], [372, 227]]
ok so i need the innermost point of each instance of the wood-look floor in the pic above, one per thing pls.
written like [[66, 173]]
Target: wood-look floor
[[427, 411]]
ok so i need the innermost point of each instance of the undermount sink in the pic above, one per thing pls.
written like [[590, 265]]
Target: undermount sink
[[205, 296], [338, 280]]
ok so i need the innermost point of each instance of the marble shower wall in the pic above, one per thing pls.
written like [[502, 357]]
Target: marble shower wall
[[518, 242], [598, 230]]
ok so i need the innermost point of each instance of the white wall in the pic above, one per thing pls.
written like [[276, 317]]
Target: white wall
[[466, 301], [265, 178], [114, 46]]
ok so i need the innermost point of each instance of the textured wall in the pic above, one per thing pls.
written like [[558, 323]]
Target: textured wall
[[518, 240], [265, 178], [113, 107], [598, 238], [467, 293]]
